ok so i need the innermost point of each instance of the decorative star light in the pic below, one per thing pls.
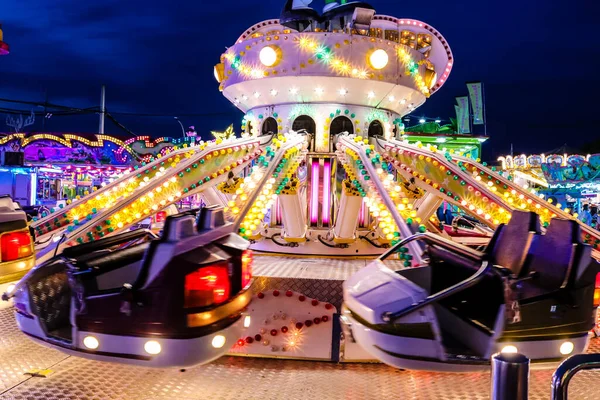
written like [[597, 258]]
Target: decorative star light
[[227, 134]]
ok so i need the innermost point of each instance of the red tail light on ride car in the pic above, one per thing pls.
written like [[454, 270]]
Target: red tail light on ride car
[[247, 260], [160, 216], [15, 245], [207, 286], [597, 291]]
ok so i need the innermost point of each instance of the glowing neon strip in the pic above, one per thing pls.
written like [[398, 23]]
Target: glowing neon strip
[[326, 192], [361, 215], [278, 216], [314, 193]]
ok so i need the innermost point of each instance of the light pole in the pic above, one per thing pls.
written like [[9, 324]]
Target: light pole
[[182, 128]]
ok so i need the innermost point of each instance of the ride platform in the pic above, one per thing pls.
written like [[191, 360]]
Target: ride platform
[[240, 378], [30, 371]]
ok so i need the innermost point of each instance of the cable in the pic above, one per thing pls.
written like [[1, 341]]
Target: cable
[[118, 124], [62, 239], [383, 246], [336, 246], [282, 244], [35, 103], [214, 114], [92, 110], [97, 109]]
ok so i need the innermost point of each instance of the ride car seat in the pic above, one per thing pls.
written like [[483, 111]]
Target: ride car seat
[[556, 254], [510, 244]]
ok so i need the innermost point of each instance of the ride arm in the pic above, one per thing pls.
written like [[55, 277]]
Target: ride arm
[[202, 169], [292, 144], [105, 196], [477, 190], [370, 178]]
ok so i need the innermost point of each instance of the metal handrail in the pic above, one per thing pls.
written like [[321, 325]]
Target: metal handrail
[[459, 287], [435, 239], [567, 370], [465, 284]]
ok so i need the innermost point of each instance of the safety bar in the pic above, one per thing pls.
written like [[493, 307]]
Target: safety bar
[[567, 370], [438, 240], [459, 287], [107, 242], [467, 221]]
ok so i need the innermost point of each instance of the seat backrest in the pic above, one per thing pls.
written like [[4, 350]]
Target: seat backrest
[[160, 252], [510, 244], [553, 255]]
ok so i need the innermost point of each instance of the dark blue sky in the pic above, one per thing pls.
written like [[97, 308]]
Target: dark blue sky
[[538, 60]]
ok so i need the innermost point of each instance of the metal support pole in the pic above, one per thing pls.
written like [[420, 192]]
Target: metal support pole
[[510, 376], [102, 109]]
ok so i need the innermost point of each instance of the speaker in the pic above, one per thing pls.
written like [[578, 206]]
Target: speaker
[[13, 158]]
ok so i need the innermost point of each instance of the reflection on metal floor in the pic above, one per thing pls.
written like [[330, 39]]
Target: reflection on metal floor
[[240, 378]]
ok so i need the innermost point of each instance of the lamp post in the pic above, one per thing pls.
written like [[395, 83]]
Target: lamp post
[[182, 128]]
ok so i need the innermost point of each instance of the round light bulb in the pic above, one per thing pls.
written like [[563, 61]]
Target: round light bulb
[[152, 347], [379, 59], [218, 341], [566, 348], [91, 342], [268, 56], [509, 349]]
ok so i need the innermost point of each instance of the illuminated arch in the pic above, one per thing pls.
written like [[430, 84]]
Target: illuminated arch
[[304, 122], [376, 129], [269, 126]]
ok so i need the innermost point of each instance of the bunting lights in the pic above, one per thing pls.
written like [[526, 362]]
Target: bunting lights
[[327, 56], [412, 69]]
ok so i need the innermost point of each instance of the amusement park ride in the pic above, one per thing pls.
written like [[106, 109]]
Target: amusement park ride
[[335, 213]]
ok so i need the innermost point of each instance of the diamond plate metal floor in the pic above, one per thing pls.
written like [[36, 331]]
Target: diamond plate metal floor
[[320, 278], [240, 378], [248, 378]]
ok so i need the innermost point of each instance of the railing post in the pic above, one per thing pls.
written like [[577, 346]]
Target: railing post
[[567, 370], [510, 376]]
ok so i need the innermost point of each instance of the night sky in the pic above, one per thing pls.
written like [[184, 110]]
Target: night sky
[[538, 61]]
